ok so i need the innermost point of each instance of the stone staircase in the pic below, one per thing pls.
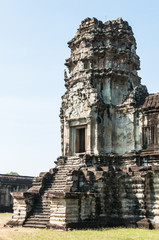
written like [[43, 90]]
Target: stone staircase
[[59, 183], [40, 215]]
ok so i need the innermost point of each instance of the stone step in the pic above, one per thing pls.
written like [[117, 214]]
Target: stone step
[[44, 203], [62, 172], [44, 214], [40, 210], [44, 198], [38, 216], [34, 225], [44, 219], [58, 190], [58, 186], [35, 220], [59, 181], [62, 177]]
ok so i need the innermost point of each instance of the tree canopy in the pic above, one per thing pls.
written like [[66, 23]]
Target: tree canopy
[[13, 173]]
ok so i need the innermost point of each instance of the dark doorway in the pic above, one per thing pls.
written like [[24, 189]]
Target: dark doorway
[[149, 136], [80, 140]]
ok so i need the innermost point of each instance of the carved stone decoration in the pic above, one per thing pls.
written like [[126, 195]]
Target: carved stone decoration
[[109, 168]]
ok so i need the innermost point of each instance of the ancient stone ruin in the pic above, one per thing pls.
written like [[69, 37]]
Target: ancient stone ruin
[[9, 184], [108, 174]]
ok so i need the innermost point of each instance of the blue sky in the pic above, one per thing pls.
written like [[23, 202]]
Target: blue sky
[[33, 49]]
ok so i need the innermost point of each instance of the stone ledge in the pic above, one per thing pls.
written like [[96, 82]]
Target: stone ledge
[[23, 195], [68, 195]]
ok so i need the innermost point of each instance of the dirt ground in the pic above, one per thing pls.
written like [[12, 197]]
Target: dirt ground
[[20, 233]]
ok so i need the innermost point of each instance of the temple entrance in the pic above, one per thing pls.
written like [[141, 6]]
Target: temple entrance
[[80, 140], [77, 139]]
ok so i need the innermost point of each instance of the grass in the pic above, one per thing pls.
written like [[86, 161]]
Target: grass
[[4, 217], [104, 234]]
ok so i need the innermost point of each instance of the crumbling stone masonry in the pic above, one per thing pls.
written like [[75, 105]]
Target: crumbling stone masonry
[[108, 174], [9, 184]]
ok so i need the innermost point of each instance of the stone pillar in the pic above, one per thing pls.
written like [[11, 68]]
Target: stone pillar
[[23, 203], [64, 210], [152, 197], [95, 147], [66, 139], [58, 213], [88, 137]]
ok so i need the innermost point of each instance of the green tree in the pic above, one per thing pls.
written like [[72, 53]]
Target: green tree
[[13, 173]]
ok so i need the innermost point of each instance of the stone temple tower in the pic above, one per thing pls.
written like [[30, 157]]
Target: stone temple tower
[[103, 72], [109, 169]]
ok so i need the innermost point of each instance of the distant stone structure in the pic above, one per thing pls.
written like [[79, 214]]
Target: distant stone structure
[[108, 174], [9, 184]]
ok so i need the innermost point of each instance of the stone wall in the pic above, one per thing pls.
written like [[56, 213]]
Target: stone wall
[[103, 90], [110, 196], [9, 184], [109, 168]]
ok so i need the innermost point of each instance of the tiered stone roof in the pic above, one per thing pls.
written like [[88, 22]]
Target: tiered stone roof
[[151, 102]]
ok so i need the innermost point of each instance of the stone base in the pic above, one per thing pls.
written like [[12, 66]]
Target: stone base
[[156, 225], [62, 227], [13, 223], [103, 222], [144, 223]]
